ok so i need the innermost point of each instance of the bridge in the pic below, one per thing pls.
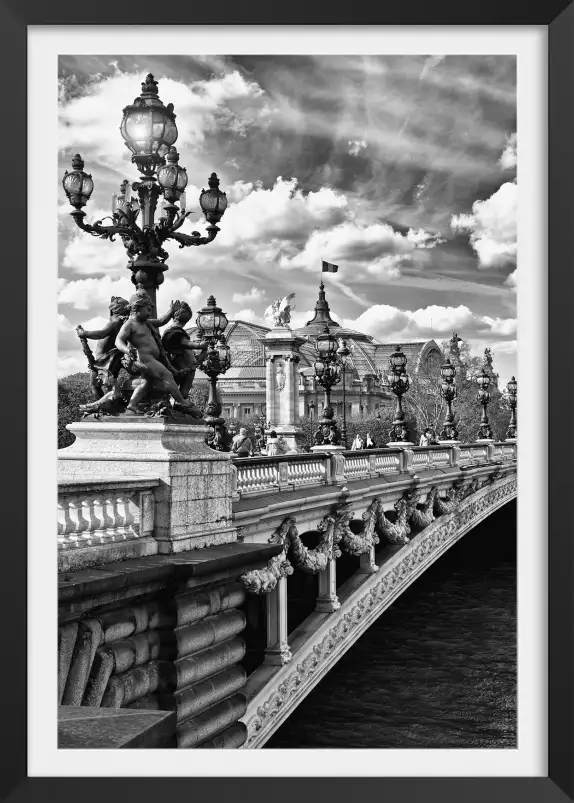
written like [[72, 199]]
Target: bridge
[[181, 573]]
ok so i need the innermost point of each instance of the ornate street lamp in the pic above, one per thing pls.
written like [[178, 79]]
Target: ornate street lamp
[[512, 387], [211, 323], [399, 383], [149, 130], [449, 393], [343, 354], [483, 397], [328, 373]]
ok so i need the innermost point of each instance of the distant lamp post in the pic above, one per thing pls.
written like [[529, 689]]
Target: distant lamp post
[[449, 393], [512, 387], [483, 398], [343, 355], [399, 384], [211, 323], [327, 373], [149, 131]]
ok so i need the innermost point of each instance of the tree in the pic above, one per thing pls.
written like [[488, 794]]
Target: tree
[[425, 404], [73, 390]]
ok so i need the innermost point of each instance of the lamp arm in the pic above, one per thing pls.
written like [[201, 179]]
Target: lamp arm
[[106, 232], [194, 238]]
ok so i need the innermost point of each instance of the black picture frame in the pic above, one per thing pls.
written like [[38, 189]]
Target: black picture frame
[[15, 17]]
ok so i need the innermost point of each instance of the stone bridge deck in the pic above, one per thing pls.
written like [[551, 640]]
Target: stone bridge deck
[[156, 565]]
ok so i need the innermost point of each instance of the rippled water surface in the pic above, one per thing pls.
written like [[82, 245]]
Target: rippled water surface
[[437, 669]]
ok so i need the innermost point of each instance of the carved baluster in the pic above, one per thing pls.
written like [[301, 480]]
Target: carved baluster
[[277, 652], [128, 515], [99, 514], [86, 512], [327, 601], [62, 536], [112, 518], [77, 522]]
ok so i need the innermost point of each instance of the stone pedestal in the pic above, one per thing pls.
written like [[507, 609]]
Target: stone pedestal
[[193, 502], [328, 448], [400, 444], [282, 386], [449, 443]]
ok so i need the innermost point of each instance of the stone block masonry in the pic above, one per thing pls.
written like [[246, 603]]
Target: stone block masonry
[[177, 649]]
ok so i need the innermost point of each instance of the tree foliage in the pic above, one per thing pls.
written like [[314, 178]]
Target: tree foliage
[[73, 390], [425, 405]]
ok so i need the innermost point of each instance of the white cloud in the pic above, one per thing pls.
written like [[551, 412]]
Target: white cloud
[[391, 323], [282, 213], [252, 295], [91, 294], [356, 146], [510, 280], [250, 316], [508, 157], [377, 248], [492, 227], [89, 123]]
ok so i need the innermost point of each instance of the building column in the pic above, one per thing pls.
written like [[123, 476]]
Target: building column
[[277, 652], [327, 601]]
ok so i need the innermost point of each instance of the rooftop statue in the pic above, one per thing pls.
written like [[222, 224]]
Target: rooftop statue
[[279, 312]]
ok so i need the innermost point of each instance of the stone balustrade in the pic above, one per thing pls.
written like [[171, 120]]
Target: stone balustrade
[[259, 475], [102, 513]]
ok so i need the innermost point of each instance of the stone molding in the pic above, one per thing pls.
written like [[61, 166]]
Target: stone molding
[[269, 708]]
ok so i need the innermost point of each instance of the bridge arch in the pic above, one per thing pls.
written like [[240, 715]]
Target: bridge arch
[[322, 640]]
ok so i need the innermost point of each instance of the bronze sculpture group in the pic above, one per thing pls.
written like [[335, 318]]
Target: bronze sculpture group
[[156, 366]]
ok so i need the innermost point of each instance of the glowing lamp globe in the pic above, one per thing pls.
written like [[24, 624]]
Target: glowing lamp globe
[[397, 360], [148, 127], [78, 185], [213, 202], [211, 320], [448, 371], [326, 344]]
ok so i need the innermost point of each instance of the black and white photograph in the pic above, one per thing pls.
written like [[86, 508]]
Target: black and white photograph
[[287, 401]]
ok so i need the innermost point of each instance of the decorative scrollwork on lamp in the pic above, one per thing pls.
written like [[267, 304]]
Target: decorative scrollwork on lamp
[[150, 131], [399, 383], [512, 387]]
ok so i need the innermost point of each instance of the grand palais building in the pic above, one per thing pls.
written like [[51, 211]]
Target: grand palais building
[[242, 387]]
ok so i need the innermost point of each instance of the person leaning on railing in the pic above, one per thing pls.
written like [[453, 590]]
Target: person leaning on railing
[[241, 445]]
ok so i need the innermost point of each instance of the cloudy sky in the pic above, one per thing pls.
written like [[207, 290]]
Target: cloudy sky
[[400, 169]]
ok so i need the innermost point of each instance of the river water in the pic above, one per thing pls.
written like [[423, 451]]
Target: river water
[[437, 669]]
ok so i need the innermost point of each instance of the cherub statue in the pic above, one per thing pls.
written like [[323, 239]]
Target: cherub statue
[[140, 342], [105, 363], [184, 353], [279, 312]]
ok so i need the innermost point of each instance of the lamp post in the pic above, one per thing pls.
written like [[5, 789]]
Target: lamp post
[[211, 323], [512, 387], [343, 354], [327, 372], [449, 393], [399, 384], [149, 130], [483, 398]]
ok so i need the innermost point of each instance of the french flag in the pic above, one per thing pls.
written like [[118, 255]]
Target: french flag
[[328, 267]]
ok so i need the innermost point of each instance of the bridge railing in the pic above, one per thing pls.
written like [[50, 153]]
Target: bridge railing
[[261, 475], [96, 512]]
